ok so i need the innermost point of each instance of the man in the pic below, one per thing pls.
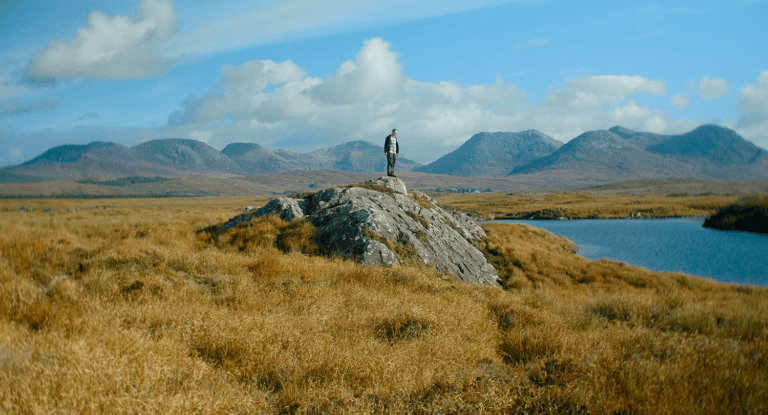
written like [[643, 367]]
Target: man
[[392, 151]]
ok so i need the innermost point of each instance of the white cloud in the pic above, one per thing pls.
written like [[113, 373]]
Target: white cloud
[[375, 74], [713, 88], [679, 100], [239, 25], [113, 48], [753, 99], [14, 106], [203, 136], [279, 104], [753, 103], [594, 92]]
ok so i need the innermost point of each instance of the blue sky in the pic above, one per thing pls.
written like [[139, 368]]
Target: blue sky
[[303, 75]]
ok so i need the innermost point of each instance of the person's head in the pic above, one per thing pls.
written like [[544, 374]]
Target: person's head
[[394, 132]]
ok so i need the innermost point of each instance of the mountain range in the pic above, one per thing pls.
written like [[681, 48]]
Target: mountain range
[[709, 152], [352, 156], [175, 157]]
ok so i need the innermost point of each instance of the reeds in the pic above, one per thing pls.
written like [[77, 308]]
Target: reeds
[[130, 310]]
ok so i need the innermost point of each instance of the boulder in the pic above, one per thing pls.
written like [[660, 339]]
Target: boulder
[[379, 223]]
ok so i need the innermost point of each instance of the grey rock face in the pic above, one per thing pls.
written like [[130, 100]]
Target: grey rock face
[[380, 227]]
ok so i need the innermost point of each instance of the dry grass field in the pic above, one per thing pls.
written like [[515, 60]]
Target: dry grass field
[[120, 306], [583, 205], [641, 198]]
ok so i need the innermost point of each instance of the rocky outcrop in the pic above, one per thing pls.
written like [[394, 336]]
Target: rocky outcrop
[[378, 223]]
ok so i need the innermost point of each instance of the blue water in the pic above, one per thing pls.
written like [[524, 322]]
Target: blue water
[[679, 244]]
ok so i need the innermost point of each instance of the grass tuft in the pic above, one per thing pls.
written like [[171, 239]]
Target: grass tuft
[[403, 326]]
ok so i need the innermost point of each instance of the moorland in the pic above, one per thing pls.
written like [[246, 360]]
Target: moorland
[[120, 306]]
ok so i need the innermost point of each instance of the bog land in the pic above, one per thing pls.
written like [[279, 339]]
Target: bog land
[[118, 305]]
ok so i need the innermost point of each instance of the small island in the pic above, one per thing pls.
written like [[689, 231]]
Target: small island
[[747, 214]]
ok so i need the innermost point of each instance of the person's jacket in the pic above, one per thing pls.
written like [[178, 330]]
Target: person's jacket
[[386, 144]]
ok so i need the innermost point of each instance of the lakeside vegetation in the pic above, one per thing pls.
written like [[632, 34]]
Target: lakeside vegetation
[[747, 214], [127, 309], [583, 205]]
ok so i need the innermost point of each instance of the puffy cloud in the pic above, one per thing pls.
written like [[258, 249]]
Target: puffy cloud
[[753, 103], [753, 99], [375, 74], [245, 98], [713, 88], [679, 101], [279, 104], [112, 48], [14, 106], [594, 92]]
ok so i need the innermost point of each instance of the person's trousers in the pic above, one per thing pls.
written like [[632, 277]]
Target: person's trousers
[[391, 157]]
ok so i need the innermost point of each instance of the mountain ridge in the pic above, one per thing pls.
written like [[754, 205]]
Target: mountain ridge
[[493, 154], [358, 155], [709, 152]]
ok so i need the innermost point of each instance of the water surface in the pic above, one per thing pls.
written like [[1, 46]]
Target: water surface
[[679, 244]]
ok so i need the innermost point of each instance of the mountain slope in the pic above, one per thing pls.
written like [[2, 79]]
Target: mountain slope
[[168, 157], [708, 152], [255, 159], [359, 156], [493, 154], [97, 159], [712, 143], [717, 152], [605, 156], [639, 139], [189, 156]]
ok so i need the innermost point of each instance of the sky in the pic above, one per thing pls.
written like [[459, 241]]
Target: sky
[[303, 75]]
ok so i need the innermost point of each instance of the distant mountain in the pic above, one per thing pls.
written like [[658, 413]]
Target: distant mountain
[[708, 152], [638, 139], [188, 156], [169, 157], [604, 156], [359, 156], [493, 154], [710, 143], [176, 157], [718, 153], [255, 159]]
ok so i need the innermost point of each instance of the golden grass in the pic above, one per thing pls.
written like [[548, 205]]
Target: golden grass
[[129, 310], [583, 205]]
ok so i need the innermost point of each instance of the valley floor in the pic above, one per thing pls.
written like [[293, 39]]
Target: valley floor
[[120, 306]]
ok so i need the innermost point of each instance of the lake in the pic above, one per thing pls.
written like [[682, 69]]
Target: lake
[[678, 244]]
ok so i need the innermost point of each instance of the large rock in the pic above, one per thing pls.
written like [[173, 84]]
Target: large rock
[[377, 222]]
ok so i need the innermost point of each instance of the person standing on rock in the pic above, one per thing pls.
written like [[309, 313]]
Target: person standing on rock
[[392, 151]]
